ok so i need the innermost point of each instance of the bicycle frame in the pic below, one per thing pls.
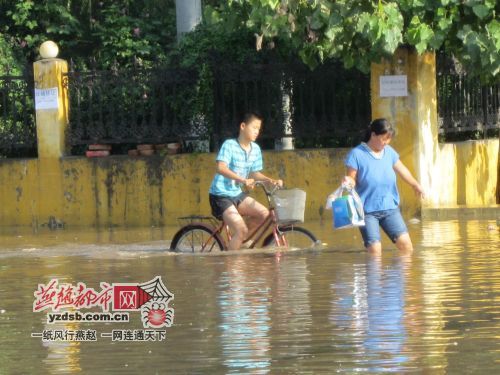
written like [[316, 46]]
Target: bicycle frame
[[257, 233], [217, 228]]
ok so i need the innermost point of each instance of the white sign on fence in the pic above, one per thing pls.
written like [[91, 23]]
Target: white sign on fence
[[46, 98], [393, 86]]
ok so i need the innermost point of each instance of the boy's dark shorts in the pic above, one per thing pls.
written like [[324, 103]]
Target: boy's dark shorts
[[220, 203]]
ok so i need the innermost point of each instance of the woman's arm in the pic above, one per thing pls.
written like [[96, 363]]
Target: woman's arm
[[350, 178], [406, 175]]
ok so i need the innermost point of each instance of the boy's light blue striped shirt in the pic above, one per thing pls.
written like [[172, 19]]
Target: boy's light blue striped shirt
[[238, 161]]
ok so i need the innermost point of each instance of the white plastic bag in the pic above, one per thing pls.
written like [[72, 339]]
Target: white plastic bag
[[347, 208], [334, 195]]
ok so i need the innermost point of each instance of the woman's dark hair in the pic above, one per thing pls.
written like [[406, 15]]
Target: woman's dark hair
[[378, 126]]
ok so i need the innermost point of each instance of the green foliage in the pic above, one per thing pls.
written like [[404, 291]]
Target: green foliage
[[114, 32], [211, 43], [9, 64], [359, 32], [130, 33]]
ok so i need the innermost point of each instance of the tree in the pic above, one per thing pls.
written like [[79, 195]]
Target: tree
[[9, 64], [359, 32], [112, 31]]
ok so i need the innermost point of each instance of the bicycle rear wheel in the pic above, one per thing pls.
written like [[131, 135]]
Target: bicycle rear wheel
[[196, 238], [296, 238]]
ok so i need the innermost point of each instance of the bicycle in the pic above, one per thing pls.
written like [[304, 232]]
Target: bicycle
[[206, 233]]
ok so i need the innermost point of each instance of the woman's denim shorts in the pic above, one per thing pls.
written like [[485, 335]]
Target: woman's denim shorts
[[391, 222]]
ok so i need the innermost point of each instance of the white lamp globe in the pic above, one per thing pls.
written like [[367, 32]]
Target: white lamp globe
[[49, 50]]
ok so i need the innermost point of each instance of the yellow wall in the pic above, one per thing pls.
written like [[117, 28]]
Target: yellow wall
[[152, 191], [414, 116], [19, 192], [478, 161], [454, 174], [147, 191], [122, 191]]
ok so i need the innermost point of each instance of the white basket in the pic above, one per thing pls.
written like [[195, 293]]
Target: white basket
[[289, 205]]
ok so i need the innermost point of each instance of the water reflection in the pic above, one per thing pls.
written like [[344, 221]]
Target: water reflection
[[264, 306], [385, 300], [291, 308], [332, 310], [460, 294], [62, 357], [369, 305], [244, 302]]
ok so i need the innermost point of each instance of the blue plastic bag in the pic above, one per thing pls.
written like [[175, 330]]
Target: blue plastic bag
[[347, 208]]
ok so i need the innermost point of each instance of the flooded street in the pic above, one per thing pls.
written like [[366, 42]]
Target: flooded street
[[328, 310]]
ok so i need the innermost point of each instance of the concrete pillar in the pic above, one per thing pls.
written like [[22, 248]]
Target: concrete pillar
[[412, 109], [51, 106], [188, 14], [286, 142]]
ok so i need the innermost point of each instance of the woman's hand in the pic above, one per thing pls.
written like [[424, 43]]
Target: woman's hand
[[348, 182], [419, 190], [406, 175]]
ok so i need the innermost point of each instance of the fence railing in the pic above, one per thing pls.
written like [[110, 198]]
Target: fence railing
[[133, 106], [326, 107], [17, 116], [466, 108], [323, 108]]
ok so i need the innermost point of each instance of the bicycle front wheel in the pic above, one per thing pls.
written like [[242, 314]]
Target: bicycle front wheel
[[296, 238], [196, 238]]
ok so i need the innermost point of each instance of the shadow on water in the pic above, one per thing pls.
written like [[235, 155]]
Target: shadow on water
[[334, 309]]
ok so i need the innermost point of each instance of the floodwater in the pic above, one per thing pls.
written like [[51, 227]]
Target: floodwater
[[329, 310]]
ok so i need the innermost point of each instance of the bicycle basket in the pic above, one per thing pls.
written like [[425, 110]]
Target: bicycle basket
[[289, 205]]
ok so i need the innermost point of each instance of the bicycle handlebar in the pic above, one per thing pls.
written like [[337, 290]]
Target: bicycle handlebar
[[263, 185]]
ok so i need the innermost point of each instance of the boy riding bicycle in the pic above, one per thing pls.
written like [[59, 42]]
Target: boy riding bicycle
[[239, 163]]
